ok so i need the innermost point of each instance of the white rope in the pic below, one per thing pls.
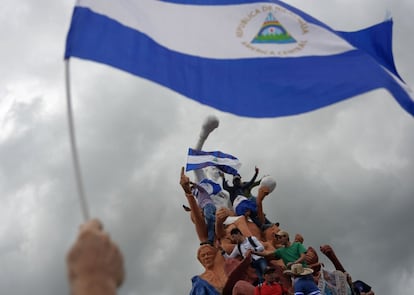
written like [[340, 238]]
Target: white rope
[[75, 158]]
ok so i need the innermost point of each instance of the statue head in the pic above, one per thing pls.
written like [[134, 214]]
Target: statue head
[[283, 237], [237, 179], [206, 254], [299, 238], [270, 274], [236, 235], [270, 234]]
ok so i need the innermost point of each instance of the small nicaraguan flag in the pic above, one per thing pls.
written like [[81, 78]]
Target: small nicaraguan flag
[[247, 57], [200, 159], [211, 187]]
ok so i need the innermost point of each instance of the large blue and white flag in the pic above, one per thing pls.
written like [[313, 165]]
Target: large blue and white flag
[[201, 159], [247, 57]]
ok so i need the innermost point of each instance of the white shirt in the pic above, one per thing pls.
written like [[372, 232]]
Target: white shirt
[[244, 246]]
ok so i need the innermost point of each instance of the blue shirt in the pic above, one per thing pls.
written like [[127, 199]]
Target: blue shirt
[[306, 286]]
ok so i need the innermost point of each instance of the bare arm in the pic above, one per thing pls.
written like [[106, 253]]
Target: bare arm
[[199, 222], [269, 254], [299, 260], [329, 252], [221, 216], [262, 193]]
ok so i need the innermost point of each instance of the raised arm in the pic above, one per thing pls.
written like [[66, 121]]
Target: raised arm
[[262, 193], [329, 252], [250, 183], [199, 222]]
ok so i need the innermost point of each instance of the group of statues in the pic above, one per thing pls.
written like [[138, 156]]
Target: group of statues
[[242, 252], [234, 275], [238, 243]]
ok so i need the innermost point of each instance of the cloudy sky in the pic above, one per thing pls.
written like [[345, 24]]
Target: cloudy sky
[[345, 172]]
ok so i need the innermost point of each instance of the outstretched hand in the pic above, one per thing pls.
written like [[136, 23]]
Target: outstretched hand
[[185, 182], [222, 214], [326, 249]]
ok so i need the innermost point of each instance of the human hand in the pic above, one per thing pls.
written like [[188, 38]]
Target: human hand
[[95, 264], [326, 249], [185, 182], [222, 214]]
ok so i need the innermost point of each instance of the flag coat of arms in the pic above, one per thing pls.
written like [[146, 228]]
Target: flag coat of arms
[[250, 58]]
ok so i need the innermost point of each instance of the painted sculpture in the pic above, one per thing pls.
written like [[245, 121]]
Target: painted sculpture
[[221, 275]]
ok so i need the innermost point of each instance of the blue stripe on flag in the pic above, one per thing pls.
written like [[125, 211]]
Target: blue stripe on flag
[[224, 168], [201, 159], [377, 42], [253, 87], [218, 154]]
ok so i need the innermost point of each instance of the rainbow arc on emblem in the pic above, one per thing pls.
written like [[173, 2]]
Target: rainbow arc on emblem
[[272, 31]]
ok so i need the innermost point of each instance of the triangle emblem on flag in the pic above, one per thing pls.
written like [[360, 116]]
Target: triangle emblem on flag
[[272, 31]]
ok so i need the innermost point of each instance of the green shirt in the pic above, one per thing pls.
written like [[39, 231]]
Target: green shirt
[[291, 253]]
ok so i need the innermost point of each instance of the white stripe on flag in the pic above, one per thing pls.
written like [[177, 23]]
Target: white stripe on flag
[[233, 57], [219, 31], [208, 158]]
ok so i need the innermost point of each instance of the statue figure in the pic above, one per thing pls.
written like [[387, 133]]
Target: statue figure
[[220, 276], [357, 287], [231, 276]]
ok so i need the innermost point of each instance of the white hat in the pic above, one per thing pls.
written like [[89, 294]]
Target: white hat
[[297, 269]]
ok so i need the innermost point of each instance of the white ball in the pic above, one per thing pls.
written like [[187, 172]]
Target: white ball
[[268, 182]]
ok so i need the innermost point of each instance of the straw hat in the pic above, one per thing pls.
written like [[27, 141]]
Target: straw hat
[[297, 269]]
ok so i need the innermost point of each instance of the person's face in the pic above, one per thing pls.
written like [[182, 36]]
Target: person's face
[[270, 235], [299, 238], [207, 257], [236, 181], [270, 277], [283, 239], [237, 238]]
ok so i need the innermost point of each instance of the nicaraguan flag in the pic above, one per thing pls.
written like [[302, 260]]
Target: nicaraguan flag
[[251, 58], [200, 159], [209, 186]]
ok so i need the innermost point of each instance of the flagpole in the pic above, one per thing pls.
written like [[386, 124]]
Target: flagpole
[[210, 123], [74, 151]]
